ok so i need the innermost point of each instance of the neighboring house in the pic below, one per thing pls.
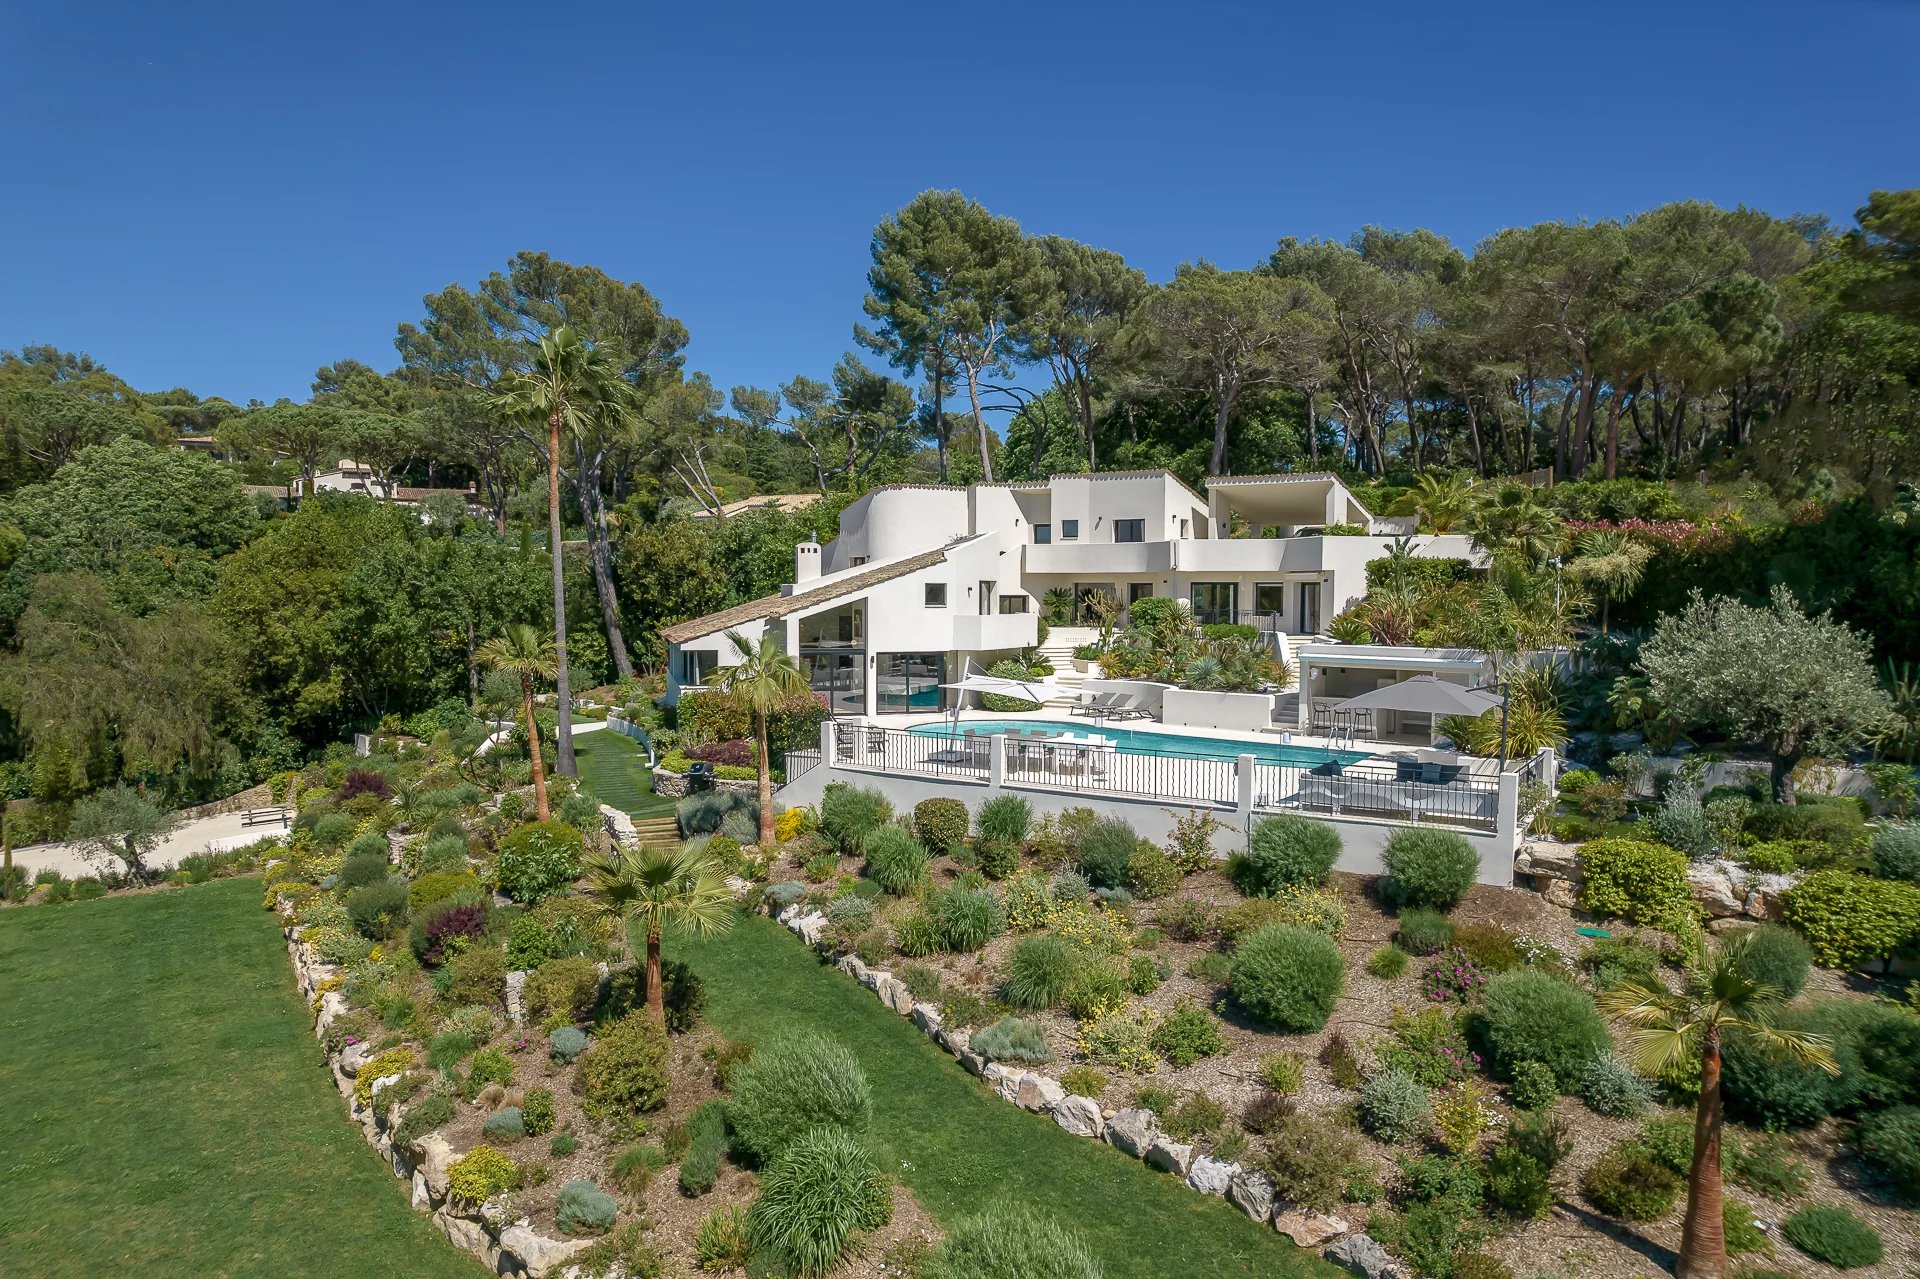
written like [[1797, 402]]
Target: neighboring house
[[788, 502], [353, 477], [926, 578]]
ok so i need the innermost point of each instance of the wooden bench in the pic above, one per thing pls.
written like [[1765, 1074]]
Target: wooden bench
[[263, 817]]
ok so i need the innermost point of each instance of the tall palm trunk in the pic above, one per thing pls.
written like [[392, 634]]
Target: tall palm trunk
[[1703, 1237], [656, 998], [766, 781], [533, 748], [563, 698]]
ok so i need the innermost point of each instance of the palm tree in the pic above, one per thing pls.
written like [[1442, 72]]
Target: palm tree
[[1514, 521], [528, 654], [1611, 562], [767, 678], [569, 385], [655, 888], [1441, 500], [1717, 999]]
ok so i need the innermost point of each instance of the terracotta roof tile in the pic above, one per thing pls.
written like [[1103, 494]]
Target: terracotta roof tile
[[769, 606]]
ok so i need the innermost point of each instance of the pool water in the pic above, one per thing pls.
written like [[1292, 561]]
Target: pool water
[[1136, 741]]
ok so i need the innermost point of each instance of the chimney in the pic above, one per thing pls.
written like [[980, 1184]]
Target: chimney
[[806, 562]]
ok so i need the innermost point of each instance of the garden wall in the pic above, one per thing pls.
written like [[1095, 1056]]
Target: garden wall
[[1196, 708]]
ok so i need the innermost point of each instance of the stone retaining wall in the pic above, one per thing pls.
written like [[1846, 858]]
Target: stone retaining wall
[[260, 796], [1731, 896], [1134, 1132], [675, 784]]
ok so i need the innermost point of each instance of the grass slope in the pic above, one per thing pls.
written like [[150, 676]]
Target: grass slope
[[961, 1149], [163, 1107], [614, 767]]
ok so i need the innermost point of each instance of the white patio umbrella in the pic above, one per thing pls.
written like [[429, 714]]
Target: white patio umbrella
[[1027, 690], [1425, 694]]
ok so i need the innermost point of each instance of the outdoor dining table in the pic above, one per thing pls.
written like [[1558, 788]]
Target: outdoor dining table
[[1060, 752]]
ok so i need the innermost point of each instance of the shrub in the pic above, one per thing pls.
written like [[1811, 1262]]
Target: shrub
[[1083, 1081], [624, 1073], [1093, 985], [851, 913], [721, 1243], [505, 1126], [1387, 963], [444, 852], [1185, 919], [584, 1209], [1116, 1035], [1668, 1141], [1517, 1184], [815, 1197], [1011, 1039], [803, 1082], [1430, 1046], [378, 910], [423, 1117], [1282, 1072], [1010, 1243], [1627, 1183], [967, 918], [1611, 961], [1613, 1090], [1039, 971], [1534, 1086], [562, 1145], [477, 975], [1394, 1107], [1741, 1232], [1775, 957], [1106, 852], [998, 858], [1876, 1046], [1452, 978], [444, 927], [1424, 932], [1071, 886], [1532, 1017], [490, 1066], [1850, 919], [706, 1140], [538, 860], [1770, 857], [1195, 1116], [1890, 1141], [1289, 978], [440, 885], [895, 860], [1308, 1159], [1492, 947], [1145, 973], [1283, 850], [566, 1044], [848, 814], [1635, 880], [566, 989], [1005, 817], [941, 824], [359, 871], [1151, 873], [1431, 868], [536, 1111], [1896, 851], [1186, 1034], [480, 1174], [1833, 1235]]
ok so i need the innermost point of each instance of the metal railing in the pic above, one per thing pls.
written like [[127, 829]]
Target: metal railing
[[1380, 789], [870, 748], [800, 763]]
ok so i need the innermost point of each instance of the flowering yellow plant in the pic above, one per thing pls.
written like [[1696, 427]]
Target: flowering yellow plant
[[1118, 1035]]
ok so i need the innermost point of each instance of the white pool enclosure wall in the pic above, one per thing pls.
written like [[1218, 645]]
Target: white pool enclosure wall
[[1366, 803]]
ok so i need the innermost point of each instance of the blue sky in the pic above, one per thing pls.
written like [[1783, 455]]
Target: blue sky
[[226, 197]]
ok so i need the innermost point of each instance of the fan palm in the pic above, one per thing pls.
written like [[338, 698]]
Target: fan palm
[[524, 652], [1441, 501], [766, 679], [569, 385], [652, 888], [1514, 521], [1610, 562], [1717, 1000]]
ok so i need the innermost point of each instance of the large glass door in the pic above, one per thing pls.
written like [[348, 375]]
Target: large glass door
[[838, 678], [1309, 608], [1269, 604], [908, 683], [1214, 602]]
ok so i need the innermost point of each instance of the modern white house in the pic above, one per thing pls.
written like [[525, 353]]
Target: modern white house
[[925, 579]]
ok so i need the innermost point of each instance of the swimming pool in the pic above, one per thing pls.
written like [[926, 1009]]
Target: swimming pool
[[1135, 741]]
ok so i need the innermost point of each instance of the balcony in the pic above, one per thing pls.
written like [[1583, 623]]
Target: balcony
[[1252, 555], [1094, 561], [974, 633]]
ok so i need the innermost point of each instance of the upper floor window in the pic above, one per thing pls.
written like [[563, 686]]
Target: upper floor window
[[1069, 529], [855, 561], [1013, 603], [696, 664], [936, 594], [1042, 534], [1129, 530]]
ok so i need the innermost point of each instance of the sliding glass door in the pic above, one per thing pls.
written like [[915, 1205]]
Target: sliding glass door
[[908, 683], [1214, 602]]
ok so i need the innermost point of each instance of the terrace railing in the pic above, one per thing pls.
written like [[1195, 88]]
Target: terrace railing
[[1379, 790]]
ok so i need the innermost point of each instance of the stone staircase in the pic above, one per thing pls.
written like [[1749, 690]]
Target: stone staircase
[[657, 832], [1061, 641]]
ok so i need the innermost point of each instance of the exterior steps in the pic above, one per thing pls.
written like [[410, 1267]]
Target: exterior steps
[[1061, 641], [657, 832]]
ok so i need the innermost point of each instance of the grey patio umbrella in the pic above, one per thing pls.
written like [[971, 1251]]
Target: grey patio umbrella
[[1425, 694]]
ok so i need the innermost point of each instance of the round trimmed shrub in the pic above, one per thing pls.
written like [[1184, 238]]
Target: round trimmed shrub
[[584, 1209], [1394, 1107], [1285, 849], [1423, 932], [1613, 1090], [1427, 868], [1011, 1243], [564, 989], [566, 1044], [1636, 880], [624, 1072], [968, 918], [1012, 1039], [941, 824], [1626, 1182], [848, 814], [1106, 852], [538, 860], [1290, 978], [816, 1196], [1835, 1236], [1005, 817], [505, 1125], [1851, 919], [1890, 1141], [788, 1087], [440, 885], [359, 871], [1039, 971], [895, 860], [1775, 957], [1532, 1017], [380, 909], [444, 852]]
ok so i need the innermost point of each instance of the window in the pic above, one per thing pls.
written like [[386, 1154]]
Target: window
[[856, 561], [1214, 602], [983, 603], [908, 682], [1139, 591], [696, 664], [1129, 530], [1069, 529], [1042, 534], [1013, 603], [936, 594]]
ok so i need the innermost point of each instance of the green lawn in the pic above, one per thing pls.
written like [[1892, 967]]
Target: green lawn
[[614, 767], [961, 1149], [164, 1109]]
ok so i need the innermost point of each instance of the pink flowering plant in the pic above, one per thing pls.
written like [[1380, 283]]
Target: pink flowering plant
[[1452, 978], [1431, 1046]]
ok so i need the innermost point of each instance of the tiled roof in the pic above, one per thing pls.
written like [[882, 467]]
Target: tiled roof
[[768, 606], [403, 493]]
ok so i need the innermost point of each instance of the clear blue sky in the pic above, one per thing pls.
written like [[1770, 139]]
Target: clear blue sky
[[225, 197]]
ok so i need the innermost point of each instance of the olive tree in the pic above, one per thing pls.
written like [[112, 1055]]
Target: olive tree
[[120, 824]]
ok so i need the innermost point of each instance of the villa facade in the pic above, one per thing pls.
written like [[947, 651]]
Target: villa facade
[[926, 579]]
